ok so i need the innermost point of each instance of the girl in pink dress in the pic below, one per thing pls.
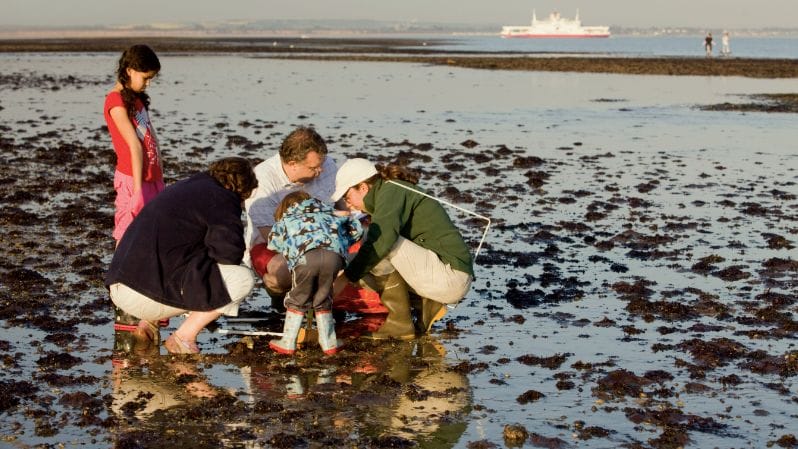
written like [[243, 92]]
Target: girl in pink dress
[[138, 176]]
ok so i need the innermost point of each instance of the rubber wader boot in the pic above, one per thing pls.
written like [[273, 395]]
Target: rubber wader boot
[[431, 311], [399, 323], [287, 344], [124, 321], [124, 325], [326, 327]]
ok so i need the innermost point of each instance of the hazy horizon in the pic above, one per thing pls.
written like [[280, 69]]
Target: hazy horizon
[[710, 14]]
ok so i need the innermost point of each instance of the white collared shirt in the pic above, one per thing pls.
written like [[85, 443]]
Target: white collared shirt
[[273, 186]]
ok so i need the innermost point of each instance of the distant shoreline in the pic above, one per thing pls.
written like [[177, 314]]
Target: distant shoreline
[[414, 50], [671, 66], [349, 28]]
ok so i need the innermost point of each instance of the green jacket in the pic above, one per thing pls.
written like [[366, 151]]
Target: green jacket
[[396, 211]]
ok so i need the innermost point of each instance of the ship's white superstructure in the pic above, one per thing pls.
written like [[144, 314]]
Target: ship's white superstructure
[[555, 26]]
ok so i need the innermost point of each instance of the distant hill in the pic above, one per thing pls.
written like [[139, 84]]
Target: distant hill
[[337, 28]]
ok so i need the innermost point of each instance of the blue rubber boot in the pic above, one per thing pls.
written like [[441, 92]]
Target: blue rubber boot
[[287, 344], [325, 323]]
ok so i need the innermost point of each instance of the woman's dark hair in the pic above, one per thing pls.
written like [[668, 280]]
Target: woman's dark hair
[[140, 58], [289, 200], [393, 171], [234, 174]]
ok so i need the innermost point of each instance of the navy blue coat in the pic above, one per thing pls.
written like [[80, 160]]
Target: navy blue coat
[[170, 251]]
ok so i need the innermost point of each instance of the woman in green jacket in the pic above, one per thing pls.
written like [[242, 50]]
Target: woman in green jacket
[[411, 243]]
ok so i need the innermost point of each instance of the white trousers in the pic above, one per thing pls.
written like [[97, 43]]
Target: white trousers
[[238, 280], [425, 272]]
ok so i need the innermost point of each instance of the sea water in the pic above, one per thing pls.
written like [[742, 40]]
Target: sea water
[[625, 46]]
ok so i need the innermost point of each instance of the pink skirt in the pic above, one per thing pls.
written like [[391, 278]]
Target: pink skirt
[[124, 214]]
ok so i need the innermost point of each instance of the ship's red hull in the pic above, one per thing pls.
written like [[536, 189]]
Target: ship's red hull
[[553, 36]]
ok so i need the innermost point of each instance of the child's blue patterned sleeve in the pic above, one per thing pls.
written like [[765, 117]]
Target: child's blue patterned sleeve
[[354, 228], [277, 238]]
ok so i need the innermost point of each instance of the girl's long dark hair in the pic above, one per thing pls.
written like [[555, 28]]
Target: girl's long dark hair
[[140, 58]]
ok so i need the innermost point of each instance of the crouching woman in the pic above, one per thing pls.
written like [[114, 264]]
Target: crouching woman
[[183, 252], [411, 245]]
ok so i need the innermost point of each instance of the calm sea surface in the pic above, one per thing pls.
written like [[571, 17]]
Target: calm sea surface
[[741, 47]]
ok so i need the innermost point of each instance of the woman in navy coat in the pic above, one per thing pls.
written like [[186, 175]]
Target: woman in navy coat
[[183, 253]]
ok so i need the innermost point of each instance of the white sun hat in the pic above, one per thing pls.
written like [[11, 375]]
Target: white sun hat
[[351, 173]]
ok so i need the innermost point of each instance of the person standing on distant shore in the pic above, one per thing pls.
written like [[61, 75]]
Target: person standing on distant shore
[[138, 176], [725, 50], [708, 45]]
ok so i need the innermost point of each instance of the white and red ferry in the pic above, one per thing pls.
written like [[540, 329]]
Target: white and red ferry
[[555, 27]]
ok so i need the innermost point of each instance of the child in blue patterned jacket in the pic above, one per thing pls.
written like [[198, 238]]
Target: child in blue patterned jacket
[[314, 241]]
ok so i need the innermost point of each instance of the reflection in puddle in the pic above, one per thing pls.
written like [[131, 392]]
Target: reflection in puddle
[[398, 394], [146, 384]]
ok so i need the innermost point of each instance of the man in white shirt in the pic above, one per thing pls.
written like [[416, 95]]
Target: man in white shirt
[[301, 164]]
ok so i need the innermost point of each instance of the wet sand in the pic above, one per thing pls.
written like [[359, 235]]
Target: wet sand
[[632, 293], [417, 51], [754, 68]]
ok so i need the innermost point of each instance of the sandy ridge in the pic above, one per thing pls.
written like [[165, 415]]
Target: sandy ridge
[[408, 50]]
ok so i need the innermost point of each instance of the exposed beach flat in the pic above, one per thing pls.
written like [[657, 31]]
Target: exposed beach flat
[[637, 287], [754, 68], [408, 50]]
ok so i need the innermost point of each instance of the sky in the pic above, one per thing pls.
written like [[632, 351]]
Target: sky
[[628, 13]]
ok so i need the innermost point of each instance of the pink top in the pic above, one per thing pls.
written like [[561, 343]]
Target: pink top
[[143, 126]]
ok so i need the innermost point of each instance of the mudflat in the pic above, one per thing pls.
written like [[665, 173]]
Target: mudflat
[[637, 287], [410, 50]]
